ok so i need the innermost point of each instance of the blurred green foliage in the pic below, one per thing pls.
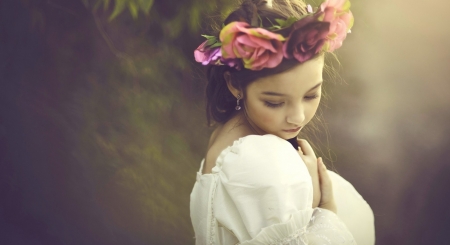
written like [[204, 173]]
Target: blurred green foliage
[[129, 100], [120, 5], [142, 125]]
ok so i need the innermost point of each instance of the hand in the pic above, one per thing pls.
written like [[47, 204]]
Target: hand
[[307, 154], [326, 188]]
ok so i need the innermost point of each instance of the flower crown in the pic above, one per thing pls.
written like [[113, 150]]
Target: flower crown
[[255, 48]]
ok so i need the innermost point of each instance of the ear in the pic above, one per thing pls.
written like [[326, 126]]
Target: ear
[[235, 91]]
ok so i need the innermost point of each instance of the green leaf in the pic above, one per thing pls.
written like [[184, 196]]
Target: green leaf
[[289, 22], [275, 27], [209, 37], [286, 23], [217, 44], [146, 5], [134, 10], [280, 21], [118, 8], [210, 42], [85, 2]]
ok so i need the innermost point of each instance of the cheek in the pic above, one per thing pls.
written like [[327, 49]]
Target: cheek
[[311, 111], [266, 118], [261, 115]]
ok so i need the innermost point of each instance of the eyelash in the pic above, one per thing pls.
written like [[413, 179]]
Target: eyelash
[[268, 104], [272, 105], [312, 97]]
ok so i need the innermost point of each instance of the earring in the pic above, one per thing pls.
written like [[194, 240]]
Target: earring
[[238, 107]]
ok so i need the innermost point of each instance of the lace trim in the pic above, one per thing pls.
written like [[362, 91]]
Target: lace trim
[[212, 230], [323, 227], [297, 236], [328, 228], [234, 148]]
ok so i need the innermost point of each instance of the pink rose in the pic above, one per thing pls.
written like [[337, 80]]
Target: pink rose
[[258, 48], [207, 55], [338, 14], [306, 39]]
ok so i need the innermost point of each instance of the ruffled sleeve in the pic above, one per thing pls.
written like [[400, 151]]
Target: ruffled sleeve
[[264, 196]]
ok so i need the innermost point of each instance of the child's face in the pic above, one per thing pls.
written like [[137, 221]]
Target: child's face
[[283, 103]]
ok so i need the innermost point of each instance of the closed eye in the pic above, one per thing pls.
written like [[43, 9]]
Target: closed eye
[[273, 105], [311, 97]]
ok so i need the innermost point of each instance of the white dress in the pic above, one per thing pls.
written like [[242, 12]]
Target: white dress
[[260, 192]]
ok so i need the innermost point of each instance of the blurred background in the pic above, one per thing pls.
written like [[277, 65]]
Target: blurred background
[[102, 123]]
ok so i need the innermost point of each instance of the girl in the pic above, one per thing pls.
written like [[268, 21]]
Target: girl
[[264, 86]]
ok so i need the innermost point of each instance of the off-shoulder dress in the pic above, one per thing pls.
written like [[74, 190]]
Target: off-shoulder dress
[[260, 192]]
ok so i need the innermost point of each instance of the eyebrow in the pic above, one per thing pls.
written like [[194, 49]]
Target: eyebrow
[[280, 94]]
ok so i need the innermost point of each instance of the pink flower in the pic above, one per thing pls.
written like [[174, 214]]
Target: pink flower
[[258, 48], [306, 38], [207, 55], [338, 14]]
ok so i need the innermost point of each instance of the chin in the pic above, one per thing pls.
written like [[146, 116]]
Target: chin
[[290, 135], [285, 135]]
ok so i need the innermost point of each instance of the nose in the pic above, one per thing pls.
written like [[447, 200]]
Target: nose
[[296, 115]]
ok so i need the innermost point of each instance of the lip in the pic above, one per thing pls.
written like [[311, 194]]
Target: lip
[[294, 130]]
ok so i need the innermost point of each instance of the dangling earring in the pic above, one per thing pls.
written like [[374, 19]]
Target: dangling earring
[[238, 107]]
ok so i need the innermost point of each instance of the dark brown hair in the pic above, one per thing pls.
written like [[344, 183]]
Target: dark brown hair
[[220, 102]]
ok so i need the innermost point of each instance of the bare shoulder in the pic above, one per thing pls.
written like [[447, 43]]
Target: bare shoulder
[[217, 143], [222, 137], [213, 136]]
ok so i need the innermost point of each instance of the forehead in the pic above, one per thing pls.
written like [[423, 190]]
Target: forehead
[[299, 79]]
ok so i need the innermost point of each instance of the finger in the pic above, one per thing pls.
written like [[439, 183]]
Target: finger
[[326, 188], [325, 181], [299, 148], [306, 147]]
